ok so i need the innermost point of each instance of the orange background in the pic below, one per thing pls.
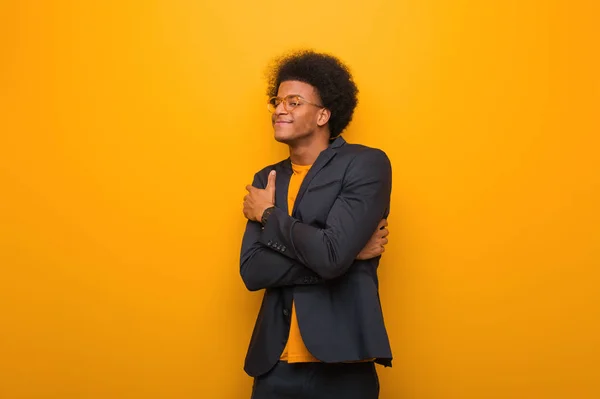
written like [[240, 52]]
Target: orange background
[[128, 131]]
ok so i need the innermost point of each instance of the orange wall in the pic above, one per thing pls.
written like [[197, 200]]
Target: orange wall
[[128, 131]]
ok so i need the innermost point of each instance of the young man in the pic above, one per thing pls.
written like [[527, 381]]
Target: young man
[[316, 229]]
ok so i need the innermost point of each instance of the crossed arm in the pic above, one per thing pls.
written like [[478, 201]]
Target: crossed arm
[[288, 252]]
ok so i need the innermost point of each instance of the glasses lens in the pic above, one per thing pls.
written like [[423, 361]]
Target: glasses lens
[[273, 103], [292, 101]]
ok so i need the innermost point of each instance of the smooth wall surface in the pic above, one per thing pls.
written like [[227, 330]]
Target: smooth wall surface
[[128, 130]]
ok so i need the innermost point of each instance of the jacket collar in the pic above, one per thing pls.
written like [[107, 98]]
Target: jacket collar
[[282, 179], [334, 144]]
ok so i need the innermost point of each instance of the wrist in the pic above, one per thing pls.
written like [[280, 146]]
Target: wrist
[[264, 215]]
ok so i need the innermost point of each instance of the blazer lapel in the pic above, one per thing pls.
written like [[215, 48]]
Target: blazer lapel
[[282, 182], [322, 160]]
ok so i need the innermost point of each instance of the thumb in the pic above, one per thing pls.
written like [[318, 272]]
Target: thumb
[[271, 183]]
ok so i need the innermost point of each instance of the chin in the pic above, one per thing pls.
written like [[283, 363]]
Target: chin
[[283, 138]]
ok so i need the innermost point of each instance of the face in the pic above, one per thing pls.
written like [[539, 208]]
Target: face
[[304, 120]]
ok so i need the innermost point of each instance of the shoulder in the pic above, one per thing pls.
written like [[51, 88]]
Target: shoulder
[[359, 155], [364, 165]]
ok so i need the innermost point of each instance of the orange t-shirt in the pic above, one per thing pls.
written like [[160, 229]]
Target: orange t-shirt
[[295, 351]]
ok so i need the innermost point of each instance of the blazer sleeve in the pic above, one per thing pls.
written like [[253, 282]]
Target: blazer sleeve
[[264, 267], [362, 203]]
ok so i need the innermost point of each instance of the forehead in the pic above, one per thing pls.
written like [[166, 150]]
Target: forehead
[[296, 87]]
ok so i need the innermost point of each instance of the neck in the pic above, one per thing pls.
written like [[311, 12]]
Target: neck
[[306, 153]]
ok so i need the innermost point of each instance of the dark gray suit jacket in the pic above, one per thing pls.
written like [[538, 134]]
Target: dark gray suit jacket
[[310, 257]]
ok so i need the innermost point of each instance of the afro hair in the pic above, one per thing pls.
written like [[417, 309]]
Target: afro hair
[[331, 78]]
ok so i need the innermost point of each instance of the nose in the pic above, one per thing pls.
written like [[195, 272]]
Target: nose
[[280, 109]]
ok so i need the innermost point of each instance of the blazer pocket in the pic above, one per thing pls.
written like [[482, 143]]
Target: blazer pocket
[[324, 185]]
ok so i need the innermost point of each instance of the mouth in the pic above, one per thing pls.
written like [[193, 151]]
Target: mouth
[[282, 122]]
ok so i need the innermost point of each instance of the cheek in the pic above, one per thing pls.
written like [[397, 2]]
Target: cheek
[[308, 121]]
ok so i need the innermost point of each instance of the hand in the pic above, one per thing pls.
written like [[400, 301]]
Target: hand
[[376, 244], [258, 199]]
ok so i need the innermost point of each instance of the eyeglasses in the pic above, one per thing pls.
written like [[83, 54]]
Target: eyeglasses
[[290, 103]]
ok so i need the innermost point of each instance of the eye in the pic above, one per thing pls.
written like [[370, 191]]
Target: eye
[[293, 103]]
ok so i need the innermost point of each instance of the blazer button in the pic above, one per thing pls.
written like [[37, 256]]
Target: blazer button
[[286, 312]]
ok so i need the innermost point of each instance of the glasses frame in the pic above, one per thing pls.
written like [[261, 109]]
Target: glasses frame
[[285, 100]]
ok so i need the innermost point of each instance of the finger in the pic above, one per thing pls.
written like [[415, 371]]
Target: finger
[[382, 249], [382, 224], [250, 187], [271, 183], [384, 233], [384, 241]]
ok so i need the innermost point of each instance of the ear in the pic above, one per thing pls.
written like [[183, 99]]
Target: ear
[[323, 117]]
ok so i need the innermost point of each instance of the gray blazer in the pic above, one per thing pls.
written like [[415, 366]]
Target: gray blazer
[[310, 257]]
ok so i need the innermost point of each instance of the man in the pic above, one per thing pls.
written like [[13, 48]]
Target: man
[[315, 232]]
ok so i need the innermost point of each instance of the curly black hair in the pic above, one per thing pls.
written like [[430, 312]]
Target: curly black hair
[[330, 76]]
